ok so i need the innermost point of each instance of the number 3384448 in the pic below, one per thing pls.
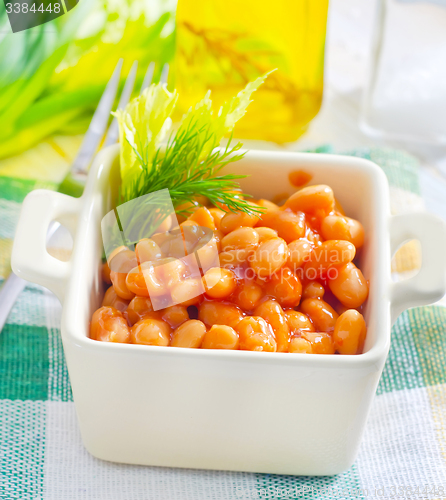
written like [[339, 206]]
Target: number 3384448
[[25, 8]]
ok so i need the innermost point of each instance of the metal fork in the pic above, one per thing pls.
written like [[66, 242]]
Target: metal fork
[[74, 182]]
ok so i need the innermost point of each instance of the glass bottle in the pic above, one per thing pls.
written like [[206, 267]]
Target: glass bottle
[[224, 44]]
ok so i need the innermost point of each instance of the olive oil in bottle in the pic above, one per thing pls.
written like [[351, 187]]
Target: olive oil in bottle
[[224, 44]]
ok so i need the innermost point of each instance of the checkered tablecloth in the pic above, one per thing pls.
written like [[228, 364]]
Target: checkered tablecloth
[[41, 453]]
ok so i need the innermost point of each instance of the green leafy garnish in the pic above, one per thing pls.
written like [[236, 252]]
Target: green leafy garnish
[[52, 76], [190, 163], [143, 125]]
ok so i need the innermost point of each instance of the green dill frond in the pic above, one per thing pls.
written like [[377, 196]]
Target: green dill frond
[[181, 168], [190, 164]]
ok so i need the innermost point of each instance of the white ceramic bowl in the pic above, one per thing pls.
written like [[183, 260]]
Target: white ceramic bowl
[[233, 410]]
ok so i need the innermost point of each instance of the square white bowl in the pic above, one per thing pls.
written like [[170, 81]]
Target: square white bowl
[[232, 410]]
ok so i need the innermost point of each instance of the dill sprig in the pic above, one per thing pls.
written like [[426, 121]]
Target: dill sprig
[[189, 166], [153, 178]]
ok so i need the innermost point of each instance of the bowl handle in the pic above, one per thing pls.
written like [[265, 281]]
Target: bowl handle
[[429, 284], [30, 258]]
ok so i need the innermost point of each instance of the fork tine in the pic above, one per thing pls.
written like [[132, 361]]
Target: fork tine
[[113, 132], [148, 77], [98, 124]]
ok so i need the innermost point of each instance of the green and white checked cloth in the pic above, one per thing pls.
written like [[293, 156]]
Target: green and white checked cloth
[[41, 453]]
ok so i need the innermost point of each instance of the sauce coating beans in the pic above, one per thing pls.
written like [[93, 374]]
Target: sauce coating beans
[[285, 287], [298, 322], [331, 254], [322, 315], [109, 325], [349, 286], [312, 200], [122, 260], [119, 282], [188, 292], [113, 300], [175, 315], [234, 258], [243, 237], [219, 283], [147, 250], [313, 290], [233, 221], [270, 256], [150, 331], [138, 309], [248, 295], [300, 345], [289, 225], [321, 342], [265, 233], [273, 314], [256, 334], [217, 215], [269, 206], [203, 218], [349, 333], [220, 337], [217, 313], [189, 334], [279, 279], [338, 227], [299, 253], [105, 273]]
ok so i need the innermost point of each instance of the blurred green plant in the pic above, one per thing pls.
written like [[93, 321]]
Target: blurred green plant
[[52, 76]]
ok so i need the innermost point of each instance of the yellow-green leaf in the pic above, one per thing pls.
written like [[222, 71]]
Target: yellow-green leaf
[[143, 125]]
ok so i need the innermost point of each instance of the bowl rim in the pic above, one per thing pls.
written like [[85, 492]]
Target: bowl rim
[[374, 358]]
